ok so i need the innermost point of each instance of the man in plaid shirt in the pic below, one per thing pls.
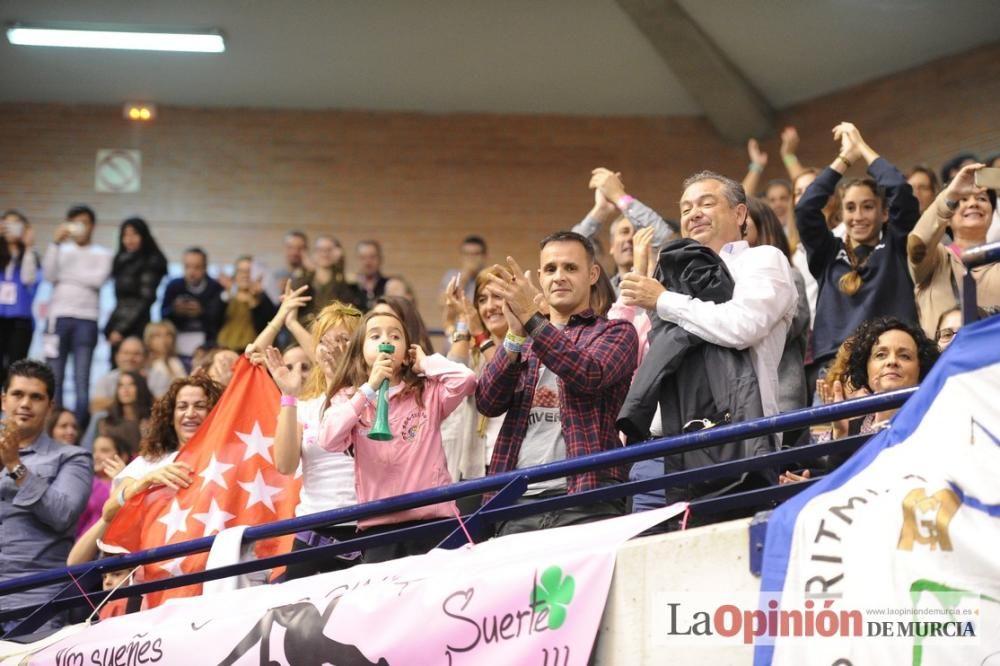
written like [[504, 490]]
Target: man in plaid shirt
[[561, 381]]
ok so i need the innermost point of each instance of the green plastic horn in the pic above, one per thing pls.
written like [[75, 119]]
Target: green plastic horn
[[380, 430]]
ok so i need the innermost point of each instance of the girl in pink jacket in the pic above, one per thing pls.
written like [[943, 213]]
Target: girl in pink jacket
[[423, 391]]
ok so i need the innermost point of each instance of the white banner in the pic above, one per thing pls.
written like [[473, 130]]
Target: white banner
[[526, 599]]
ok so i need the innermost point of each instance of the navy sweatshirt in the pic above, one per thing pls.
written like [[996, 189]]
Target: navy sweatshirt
[[886, 288]]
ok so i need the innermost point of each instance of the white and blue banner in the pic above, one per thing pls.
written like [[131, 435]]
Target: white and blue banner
[[894, 558]]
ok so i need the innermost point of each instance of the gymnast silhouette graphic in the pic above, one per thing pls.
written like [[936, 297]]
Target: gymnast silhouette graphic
[[305, 644]]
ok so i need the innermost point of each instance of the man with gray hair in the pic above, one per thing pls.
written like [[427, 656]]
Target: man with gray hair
[[714, 213]]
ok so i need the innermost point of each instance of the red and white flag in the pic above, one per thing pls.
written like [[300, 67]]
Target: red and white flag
[[234, 483]]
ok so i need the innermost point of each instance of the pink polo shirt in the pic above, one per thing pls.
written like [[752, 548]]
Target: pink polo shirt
[[414, 458]]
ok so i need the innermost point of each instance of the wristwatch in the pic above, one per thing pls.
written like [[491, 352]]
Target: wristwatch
[[18, 473], [461, 336]]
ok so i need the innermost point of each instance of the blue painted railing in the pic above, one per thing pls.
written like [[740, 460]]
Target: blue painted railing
[[973, 257], [509, 487]]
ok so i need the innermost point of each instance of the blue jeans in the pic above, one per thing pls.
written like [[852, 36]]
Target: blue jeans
[[77, 337]]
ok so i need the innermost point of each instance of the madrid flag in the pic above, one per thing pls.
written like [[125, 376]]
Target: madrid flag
[[235, 482]]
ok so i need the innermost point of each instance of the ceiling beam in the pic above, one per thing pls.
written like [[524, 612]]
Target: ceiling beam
[[733, 106]]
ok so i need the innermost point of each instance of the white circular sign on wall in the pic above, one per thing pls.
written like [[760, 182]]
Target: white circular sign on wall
[[118, 171]]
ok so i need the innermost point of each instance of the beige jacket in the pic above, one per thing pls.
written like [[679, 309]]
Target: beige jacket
[[937, 272]]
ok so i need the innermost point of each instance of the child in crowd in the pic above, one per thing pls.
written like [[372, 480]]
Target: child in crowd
[[423, 391], [111, 454]]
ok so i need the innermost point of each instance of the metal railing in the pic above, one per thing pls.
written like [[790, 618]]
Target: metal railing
[[973, 257], [509, 487]]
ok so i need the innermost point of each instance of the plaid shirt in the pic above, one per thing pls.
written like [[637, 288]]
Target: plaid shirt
[[594, 360]]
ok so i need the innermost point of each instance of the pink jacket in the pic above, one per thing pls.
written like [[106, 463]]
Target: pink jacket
[[414, 458]]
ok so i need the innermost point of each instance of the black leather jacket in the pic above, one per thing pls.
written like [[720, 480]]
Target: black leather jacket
[[137, 278], [691, 379]]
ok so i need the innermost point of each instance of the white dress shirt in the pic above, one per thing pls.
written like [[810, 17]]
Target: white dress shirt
[[757, 317]]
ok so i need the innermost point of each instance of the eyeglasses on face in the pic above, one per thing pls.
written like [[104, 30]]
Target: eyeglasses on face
[[945, 334]]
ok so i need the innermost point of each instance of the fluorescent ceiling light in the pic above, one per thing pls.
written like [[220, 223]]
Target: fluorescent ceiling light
[[108, 39]]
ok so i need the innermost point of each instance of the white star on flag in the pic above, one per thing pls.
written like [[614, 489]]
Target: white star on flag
[[256, 443], [214, 471], [215, 519], [172, 567], [260, 492], [175, 519]]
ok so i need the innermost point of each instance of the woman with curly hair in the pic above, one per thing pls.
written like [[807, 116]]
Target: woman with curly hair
[[885, 354], [175, 419]]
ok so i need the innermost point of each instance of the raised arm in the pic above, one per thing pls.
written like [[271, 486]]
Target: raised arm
[[50, 262], [291, 301], [29, 260], [758, 160], [603, 212], [904, 209], [923, 243], [820, 243], [288, 432], [789, 144], [610, 184]]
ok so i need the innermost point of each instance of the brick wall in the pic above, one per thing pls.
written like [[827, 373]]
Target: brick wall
[[233, 180]]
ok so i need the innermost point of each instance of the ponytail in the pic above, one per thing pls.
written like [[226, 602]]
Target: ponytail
[[851, 282]]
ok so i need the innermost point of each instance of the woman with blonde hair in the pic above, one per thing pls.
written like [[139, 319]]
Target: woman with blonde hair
[[327, 478], [160, 338], [480, 327]]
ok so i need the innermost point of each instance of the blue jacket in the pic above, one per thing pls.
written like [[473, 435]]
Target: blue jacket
[[886, 288], [25, 293]]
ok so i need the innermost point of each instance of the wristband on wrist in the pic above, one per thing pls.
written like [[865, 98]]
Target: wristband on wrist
[[461, 327], [756, 168], [487, 344], [951, 204], [624, 201], [289, 401], [121, 497], [535, 322], [480, 338], [512, 347], [790, 158], [516, 339], [843, 159]]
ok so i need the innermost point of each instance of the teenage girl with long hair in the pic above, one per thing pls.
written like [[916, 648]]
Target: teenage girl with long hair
[[863, 275]]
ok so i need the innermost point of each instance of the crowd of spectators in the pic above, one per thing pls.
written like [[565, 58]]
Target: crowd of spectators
[[763, 297]]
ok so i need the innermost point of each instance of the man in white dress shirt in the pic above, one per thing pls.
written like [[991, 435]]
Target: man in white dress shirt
[[714, 213]]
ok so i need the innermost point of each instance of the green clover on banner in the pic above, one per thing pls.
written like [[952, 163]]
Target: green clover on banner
[[553, 594]]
